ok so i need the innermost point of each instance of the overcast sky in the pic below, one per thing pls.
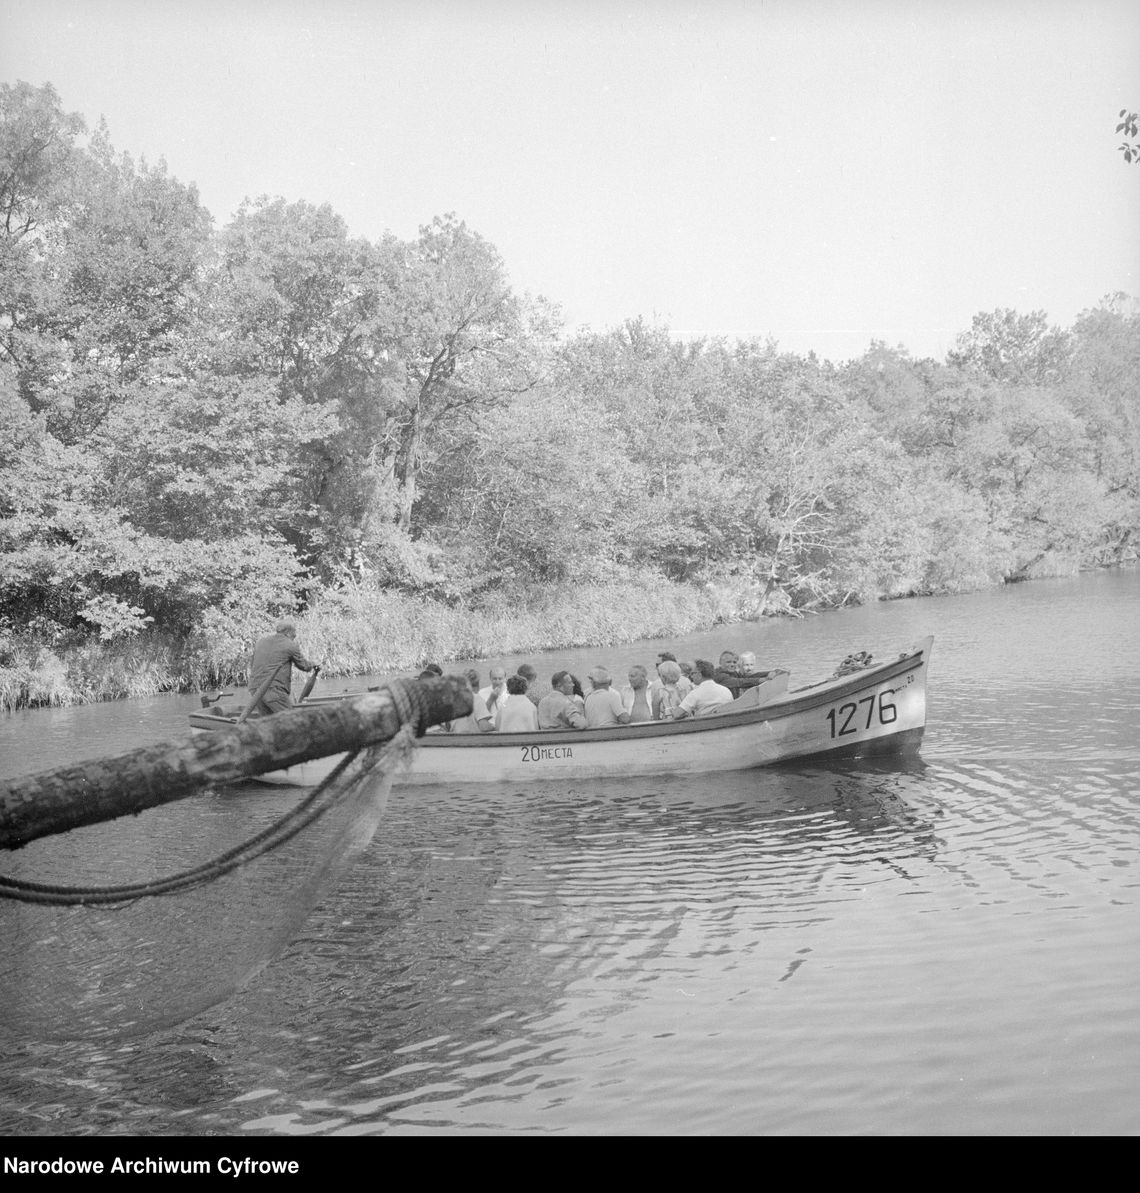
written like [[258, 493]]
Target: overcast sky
[[827, 172]]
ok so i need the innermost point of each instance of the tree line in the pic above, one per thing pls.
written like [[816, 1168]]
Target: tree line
[[202, 428]]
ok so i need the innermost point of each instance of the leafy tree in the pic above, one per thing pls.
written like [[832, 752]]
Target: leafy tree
[[1006, 346], [102, 265], [287, 294], [1101, 391], [37, 155], [207, 457], [38, 161], [544, 492], [659, 402], [289, 290], [449, 342]]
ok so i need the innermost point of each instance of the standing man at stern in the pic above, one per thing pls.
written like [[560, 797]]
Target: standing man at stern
[[274, 658]]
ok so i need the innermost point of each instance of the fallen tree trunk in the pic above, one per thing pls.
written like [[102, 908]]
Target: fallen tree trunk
[[101, 789]]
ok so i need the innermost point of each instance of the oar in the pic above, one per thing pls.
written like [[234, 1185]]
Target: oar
[[260, 692], [309, 684]]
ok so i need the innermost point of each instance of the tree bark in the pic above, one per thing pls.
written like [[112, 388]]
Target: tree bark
[[101, 789]]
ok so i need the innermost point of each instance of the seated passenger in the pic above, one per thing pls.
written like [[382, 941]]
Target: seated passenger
[[684, 685], [534, 690], [750, 674], [518, 715], [706, 697], [495, 692], [604, 708], [479, 720], [558, 709], [635, 697], [728, 669], [739, 674], [669, 693]]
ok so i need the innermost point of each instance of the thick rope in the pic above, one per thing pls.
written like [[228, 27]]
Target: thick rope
[[411, 707], [411, 704]]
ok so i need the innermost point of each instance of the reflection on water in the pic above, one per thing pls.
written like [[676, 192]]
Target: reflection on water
[[943, 946]]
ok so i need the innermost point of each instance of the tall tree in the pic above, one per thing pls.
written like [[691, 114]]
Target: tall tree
[[289, 291], [126, 254], [1007, 346], [446, 342], [38, 164], [1101, 390]]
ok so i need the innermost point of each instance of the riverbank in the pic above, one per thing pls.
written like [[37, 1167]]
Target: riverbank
[[357, 630]]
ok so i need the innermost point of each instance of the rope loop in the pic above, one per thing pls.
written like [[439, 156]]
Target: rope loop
[[411, 703]]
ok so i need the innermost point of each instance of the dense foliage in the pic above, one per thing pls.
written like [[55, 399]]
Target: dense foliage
[[201, 429]]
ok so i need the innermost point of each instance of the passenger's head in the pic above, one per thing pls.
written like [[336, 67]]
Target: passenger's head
[[498, 674], [527, 672], [434, 668], [687, 669], [669, 671], [516, 685], [600, 677], [728, 660], [704, 668], [562, 681], [577, 687], [287, 628], [747, 661], [472, 677], [638, 676]]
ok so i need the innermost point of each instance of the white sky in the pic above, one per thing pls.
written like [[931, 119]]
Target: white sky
[[824, 171]]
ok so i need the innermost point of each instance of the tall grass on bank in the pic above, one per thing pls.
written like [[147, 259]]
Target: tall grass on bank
[[362, 630], [359, 631], [35, 675]]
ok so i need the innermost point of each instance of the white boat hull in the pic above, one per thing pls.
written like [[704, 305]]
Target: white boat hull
[[879, 711]]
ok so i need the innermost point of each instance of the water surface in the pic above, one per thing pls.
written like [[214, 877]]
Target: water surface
[[946, 946]]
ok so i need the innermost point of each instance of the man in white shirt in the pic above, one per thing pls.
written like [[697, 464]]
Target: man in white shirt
[[707, 696], [495, 694]]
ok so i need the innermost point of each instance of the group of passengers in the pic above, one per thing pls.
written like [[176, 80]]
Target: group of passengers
[[518, 703]]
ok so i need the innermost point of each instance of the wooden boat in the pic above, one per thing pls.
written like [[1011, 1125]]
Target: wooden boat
[[876, 710]]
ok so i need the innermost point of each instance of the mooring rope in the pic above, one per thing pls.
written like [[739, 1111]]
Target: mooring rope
[[411, 705]]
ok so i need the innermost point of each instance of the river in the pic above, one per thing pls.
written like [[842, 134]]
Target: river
[[947, 946]]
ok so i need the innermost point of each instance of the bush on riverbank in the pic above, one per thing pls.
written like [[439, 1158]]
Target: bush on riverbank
[[363, 630], [33, 674]]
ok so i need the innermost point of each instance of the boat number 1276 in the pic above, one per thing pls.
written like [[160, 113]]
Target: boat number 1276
[[861, 714]]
